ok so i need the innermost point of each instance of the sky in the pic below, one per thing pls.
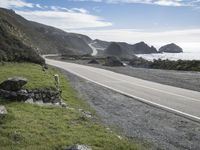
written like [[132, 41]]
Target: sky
[[156, 22]]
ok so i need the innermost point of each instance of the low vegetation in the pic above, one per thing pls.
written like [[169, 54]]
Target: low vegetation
[[12, 49], [184, 65], [31, 127]]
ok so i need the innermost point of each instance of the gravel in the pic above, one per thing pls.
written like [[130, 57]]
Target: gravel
[[138, 120]]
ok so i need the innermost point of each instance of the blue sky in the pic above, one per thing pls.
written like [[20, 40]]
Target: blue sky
[[156, 22]]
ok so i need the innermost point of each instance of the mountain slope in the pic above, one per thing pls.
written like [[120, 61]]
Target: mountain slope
[[125, 50], [44, 39], [121, 50], [12, 49], [143, 48]]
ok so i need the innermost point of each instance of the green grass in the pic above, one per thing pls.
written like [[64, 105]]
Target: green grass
[[32, 127]]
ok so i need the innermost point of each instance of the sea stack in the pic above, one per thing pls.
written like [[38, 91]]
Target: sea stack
[[171, 48]]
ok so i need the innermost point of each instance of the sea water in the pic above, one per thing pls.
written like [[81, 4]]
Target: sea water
[[172, 56]]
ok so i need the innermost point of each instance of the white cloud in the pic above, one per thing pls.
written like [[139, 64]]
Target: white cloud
[[169, 3], [56, 16], [65, 19], [39, 6], [188, 39], [14, 3], [152, 2]]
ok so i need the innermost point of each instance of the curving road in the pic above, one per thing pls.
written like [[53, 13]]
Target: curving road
[[94, 50], [180, 101]]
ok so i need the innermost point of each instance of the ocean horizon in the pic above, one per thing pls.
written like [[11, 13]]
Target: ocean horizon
[[171, 56]]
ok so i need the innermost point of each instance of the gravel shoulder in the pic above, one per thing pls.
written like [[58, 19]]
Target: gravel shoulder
[[138, 120]]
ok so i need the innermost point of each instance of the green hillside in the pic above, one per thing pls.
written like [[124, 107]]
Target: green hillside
[[33, 127]]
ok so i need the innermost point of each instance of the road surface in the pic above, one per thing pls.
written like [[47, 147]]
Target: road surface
[[180, 101], [94, 49]]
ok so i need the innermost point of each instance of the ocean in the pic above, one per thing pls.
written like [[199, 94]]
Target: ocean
[[172, 56]]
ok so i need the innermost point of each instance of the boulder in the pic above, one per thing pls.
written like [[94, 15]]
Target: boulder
[[113, 61], [171, 48], [78, 147], [20, 95], [3, 110], [13, 84]]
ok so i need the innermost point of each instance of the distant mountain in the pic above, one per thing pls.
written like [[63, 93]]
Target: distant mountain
[[43, 39], [121, 50], [99, 44], [125, 50], [143, 48], [171, 48]]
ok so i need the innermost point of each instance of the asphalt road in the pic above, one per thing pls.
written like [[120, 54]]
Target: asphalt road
[[94, 53], [181, 101]]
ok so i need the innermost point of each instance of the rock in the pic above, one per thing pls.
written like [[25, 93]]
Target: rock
[[63, 104], [78, 147], [87, 114], [171, 48], [30, 101], [21, 95], [13, 84], [3, 110], [113, 61], [93, 61], [39, 102]]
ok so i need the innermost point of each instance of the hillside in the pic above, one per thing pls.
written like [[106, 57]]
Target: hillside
[[34, 127], [121, 50], [99, 44], [143, 48], [43, 39], [125, 50], [12, 49]]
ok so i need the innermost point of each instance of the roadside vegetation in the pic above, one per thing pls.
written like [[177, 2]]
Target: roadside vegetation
[[31, 127], [184, 65], [139, 62]]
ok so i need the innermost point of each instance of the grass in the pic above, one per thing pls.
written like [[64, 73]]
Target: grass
[[32, 127]]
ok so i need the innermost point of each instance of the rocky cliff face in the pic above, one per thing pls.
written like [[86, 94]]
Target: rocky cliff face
[[143, 48], [124, 50], [41, 38], [138, 48], [171, 48], [121, 50], [99, 44]]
